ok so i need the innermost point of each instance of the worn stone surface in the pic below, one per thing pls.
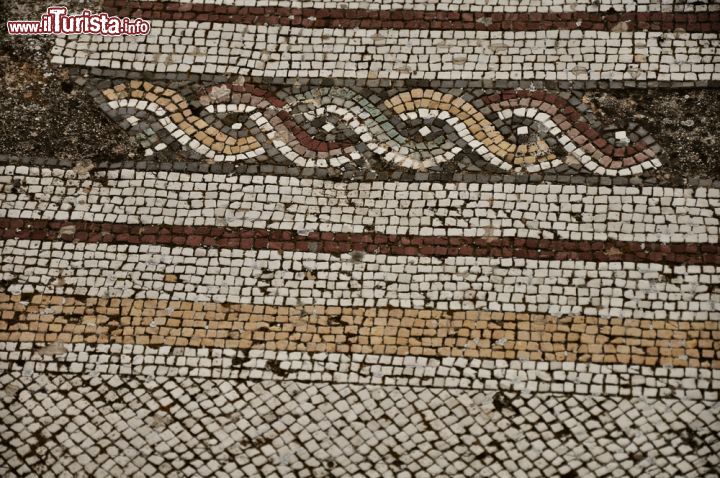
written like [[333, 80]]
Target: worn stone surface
[[46, 111]]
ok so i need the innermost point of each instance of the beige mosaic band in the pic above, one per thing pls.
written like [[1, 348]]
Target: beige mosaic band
[[392, 331]]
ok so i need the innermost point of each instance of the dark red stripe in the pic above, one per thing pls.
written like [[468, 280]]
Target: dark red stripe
[[376, 243], [415, 19]]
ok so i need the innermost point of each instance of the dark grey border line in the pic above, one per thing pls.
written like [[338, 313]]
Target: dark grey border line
[[190, 166], [389, 83]]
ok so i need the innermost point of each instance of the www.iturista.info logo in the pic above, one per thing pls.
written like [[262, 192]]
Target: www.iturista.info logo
[[56, 21]]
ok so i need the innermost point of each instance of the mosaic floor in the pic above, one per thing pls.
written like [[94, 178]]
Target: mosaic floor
[[372, 239]]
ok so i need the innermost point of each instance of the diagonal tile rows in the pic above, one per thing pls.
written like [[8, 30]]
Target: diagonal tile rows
[[108, 424]]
